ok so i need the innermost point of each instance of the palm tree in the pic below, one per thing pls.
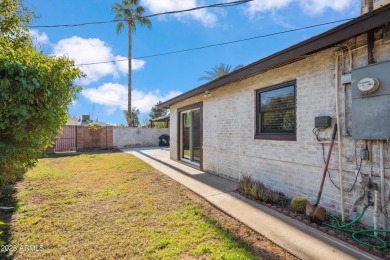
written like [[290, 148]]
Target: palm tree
[[219, 71], [129, 11]]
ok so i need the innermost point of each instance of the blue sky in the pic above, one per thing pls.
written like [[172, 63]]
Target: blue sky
[[160, 78]]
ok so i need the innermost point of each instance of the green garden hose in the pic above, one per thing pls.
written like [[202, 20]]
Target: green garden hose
[[355, 234]]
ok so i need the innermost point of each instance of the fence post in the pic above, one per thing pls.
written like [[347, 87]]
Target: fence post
[[75, 137]]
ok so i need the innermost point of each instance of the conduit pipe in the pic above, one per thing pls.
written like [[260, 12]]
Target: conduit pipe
[[382, 173], [349, 54], [339, 145], [376, 211], [344, 91]]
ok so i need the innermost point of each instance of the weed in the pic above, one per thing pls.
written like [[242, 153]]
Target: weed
[[258, 191]]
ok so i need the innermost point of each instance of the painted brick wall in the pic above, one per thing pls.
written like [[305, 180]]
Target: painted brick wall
[[130, 137], [292, 167]]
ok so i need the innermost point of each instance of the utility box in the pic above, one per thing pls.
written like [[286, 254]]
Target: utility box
[[322, 121], [371, 102]]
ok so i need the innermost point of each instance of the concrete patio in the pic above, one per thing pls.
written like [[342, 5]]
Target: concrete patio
[[299, 239]]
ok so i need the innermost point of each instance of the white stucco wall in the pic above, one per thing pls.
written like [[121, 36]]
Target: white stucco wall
[[292, 167], [129, 136]]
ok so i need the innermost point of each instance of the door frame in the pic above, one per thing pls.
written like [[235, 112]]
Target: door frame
[[179, 111]]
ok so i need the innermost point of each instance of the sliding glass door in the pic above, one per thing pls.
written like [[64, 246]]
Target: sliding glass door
[[190, 131]]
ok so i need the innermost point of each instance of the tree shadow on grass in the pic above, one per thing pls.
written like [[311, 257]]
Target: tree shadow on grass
[[77, 153], [7, 199]]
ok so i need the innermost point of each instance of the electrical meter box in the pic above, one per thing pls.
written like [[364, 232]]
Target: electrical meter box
[[371, 102]]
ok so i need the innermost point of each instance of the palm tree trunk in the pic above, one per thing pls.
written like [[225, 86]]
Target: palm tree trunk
[[129, 114]]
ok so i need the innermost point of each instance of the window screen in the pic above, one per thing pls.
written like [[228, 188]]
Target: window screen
[[276, 111]]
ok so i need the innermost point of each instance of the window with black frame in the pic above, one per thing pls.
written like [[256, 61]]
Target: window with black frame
[[275, 111]]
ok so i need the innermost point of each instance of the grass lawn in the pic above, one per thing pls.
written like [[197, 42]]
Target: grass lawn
[[115, 206]]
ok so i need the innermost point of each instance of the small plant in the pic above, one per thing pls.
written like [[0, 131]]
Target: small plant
[[244, 185], [298, 204], [257, 190], [94, 131]]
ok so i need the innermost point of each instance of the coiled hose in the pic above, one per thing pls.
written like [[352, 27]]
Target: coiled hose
[[355, 234]]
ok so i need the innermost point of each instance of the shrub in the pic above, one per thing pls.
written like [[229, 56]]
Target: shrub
[[298, 204], [258, 191], [244, 185], [35, 92]]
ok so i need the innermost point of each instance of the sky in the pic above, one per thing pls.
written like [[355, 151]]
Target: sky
[[104, 95]]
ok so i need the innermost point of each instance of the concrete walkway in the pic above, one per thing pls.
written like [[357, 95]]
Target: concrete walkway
[[299, 239]]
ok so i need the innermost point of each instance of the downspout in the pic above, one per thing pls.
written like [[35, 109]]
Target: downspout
[[382, 173], [339, 138]]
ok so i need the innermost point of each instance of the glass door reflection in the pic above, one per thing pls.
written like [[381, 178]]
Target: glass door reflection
[[190, 136]]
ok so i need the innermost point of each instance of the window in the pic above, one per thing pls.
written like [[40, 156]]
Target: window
[[275, 112]]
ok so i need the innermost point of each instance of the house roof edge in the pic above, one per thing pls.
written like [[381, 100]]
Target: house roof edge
[[314, 44]]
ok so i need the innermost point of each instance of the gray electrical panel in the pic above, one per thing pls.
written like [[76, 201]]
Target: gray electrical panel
[[371, 110]]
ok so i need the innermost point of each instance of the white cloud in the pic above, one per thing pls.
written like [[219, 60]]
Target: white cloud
[[114, 96], [281, 20], [39, 39], [318, 6], [266, 5], [88, 51], [202, 15], [145, 101], [93, 50], [135, 64], [311, 7], [110, 95]]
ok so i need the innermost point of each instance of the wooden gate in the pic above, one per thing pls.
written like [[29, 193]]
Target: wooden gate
[[66, 140]]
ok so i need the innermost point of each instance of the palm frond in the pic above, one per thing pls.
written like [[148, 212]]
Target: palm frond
[[145, 21], [133, 2], [238, 67], [218, 71], [130, 11], [139, 10], [119, 27], [205, 78]]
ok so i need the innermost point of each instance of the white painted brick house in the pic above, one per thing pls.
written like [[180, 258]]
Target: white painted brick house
[[221, 127]]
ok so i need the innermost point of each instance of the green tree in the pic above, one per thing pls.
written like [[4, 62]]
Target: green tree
[[156, 112], [14, 20], [134, 116], [218, 71], [35, 92], [131, 12]]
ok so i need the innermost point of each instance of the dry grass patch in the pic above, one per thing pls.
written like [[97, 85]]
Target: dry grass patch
[[113, 206]]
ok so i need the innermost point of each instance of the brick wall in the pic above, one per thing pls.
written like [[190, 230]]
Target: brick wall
[[131, 137], [292, 167]]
